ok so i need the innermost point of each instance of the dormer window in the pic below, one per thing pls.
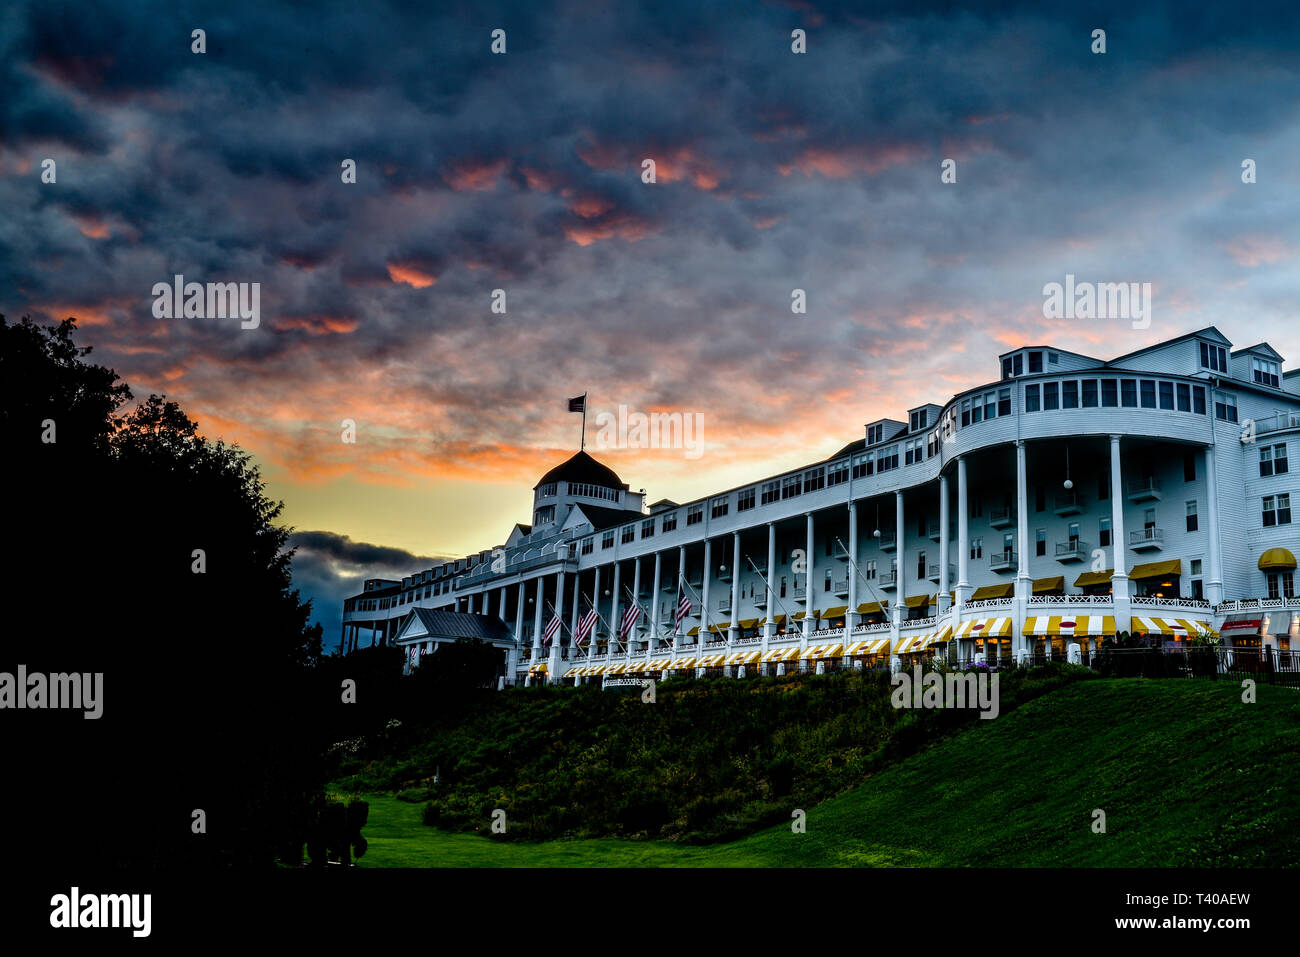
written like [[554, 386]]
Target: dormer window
[[544, 516], [919, 421], [1035, 362], [875, 434], [1265, 372], [1214, 358]]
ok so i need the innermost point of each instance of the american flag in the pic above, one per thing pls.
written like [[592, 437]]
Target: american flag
[[415, 655], [683, 609], [629, 620], [585, 624], [551, 631]]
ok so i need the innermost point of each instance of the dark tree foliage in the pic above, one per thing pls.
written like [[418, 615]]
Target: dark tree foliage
[[206, 700]]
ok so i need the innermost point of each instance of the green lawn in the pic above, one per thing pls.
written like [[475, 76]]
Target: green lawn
[[1186, 774]]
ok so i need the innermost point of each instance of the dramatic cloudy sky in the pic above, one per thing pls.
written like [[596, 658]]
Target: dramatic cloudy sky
[[521, 172]]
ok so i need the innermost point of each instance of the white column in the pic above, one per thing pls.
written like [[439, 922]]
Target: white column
[[614, 617], [537, 615], [595, 603], [771, 571], [519, 615], [681, 590], [944, 588], [501, 604], [654, 603], [1119, 581], [636, 592], [706, 614], [577, 603], [559, 615], [810, 564], [851, 570], [483, 610], [1214, 584], [734, 631], [963, 534], [1023, 587], [900, 563]]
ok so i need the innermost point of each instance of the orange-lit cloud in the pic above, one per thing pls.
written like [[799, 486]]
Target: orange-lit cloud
[[411, 275]]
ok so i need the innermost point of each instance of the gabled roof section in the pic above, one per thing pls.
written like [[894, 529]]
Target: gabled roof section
[[583, 468], [1209, 332], [431, 623], [518, 534], [603, 518], [1260, 349]]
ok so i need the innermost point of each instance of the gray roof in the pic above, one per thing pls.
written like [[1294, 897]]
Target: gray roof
[[455, 624]]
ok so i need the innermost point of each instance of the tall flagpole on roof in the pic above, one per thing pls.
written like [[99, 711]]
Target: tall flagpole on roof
[[583, 446]]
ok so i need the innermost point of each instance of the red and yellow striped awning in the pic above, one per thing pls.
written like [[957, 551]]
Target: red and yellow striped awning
[[873, 646], [984, 628]]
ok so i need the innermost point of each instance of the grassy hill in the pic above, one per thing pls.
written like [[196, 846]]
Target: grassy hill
[[1186, 773]]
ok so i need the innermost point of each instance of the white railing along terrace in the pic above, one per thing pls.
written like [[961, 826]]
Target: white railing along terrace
[[1066, 600], [1257, 604], [867, 629], [990, 603], [1171, 602]]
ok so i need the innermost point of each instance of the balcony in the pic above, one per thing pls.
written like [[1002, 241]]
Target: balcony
[[724, 605], [760, 599], [888, 541], [724, 574], [932, 529], [1072, 551], [1147, 539], [1144, 490], [933, 574], [1068, 503], [888, 580], [841, 588], [1276, 423], [1002, 517], [1003, 561]]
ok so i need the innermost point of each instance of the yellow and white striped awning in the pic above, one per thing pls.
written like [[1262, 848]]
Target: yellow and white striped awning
[[575, 672], [1205, 629], [943, 635], [710, 661], [616, 669], [782, 654], [874, 646], [537, 669], [984, 628], [659, 664], [679, 664], [1172, 627], [743, 658], [637, 667], [908, 646], [1078, 626], [816, 652]]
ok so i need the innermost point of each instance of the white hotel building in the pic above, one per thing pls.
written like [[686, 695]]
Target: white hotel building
[[1069, 499]]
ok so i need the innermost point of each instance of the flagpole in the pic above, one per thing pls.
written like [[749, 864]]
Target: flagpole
[[583, 447]]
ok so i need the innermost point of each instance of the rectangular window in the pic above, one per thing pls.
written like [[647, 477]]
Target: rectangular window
[[1167, 396], [607, 539], [1128, 396], [1004, 401], [1277, 510], [977, 548], [629, 534], [791, 486], [1018, 364], [1006, 368], [745, 500], [815, 479], [1109, 393], [771, 492], [861, 465], [1184, 397], [1069, 395], [1103, 532], [588, 545], [1225, 407], [1040, 542], [1265, 372], [694, 515], [1035, 362], [838, 473], [1272, 460], [718, 507], [965, 413], [1148, 394], [1050, 398], [1089, 393], [976, 410], [1214, 358], [990, 405], [1031, 398], [670, 522], [1192, 522], [1198, 399], [887, 459]]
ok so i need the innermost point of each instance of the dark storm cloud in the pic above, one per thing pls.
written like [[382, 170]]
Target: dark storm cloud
[[522, 173]]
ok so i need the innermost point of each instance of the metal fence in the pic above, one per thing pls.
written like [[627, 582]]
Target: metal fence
[[1263, 664]]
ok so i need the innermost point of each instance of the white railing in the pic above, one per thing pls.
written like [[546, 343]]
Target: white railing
[[724, 605], [1142, 536], [1154, 602], [926, 622], [1257, 604], [826, 632], [1274, 423], [867, 629], [757, 640], [1069, 600], [990, 603]]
